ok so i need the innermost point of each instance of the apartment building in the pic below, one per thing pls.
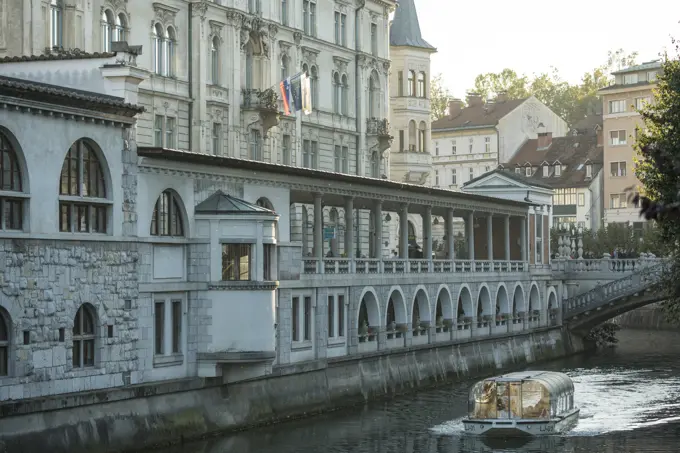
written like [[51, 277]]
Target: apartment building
[[622, 101]]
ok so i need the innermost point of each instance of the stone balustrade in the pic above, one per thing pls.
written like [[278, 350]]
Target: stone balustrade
[[401, 266], [606, 264]]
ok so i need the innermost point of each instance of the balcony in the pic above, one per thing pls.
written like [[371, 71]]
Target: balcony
[[380, 130], [413, 167], [344, 266], [263, 104]]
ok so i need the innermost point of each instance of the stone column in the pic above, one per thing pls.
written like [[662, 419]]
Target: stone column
[[403, 232], [349, 227], [378, 216], [507, 238], [489, 236], [471, 236], [427, 232], [451, 252], [523, 238], [318, 227]]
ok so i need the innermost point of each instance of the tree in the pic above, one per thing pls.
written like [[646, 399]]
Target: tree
[[571, 102], [617, 237], [439, 98]]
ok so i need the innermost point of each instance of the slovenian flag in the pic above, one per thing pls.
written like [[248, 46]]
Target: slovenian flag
[[296, 94], [285, 96]]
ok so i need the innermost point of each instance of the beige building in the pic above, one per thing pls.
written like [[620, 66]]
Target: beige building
[[631, 89]]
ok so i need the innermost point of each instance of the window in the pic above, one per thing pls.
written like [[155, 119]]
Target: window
[[268, 255], [562, 197], [158, 49], [56, 23], [472, 174], [564, 220], [546, 171], [618, 201], [170, 132], [168, 313], [581, 199], [314, 85], [454, 179], [411, 83], [589, 171], [108, 27], [11, 209], [167, 216], [215, 61], [164, 131], [338, 164], [82, 178], [421, 85], [618, 106], [401, 140], [374, 38], [487, 144], [629, 79], [375, 165], [400, 83], [285, 150], [539, 238], [337, 92], [453, 147], [618, 169], [284, 67], [255, 144], [5, 335], [309, 17], [284, 12], [120, 33], [436, 178], [236, 262], [487, 169], [83, 337], [617, 138], [345, 161], [373, 96], [518, 170], [558, 170], [336, 316], [436, 148], [302, 318], [254, 7], [306, 153], [641, 102], [651, 76], [217, 139], [345, 95], [315, 155], [340, 29], [471, 142], [527, 171]]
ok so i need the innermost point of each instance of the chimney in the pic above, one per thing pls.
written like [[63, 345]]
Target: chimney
[[501, 96], [544, 140], [455, 106], [474, 99]]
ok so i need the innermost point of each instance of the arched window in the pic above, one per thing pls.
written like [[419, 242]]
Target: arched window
[[373, 93], [108, 29], [83, 337], [411, 231], [82, 176], [121, 28], [411, 83], [249, 67], [170, 46], [12, 209], [421, 137], [56, 23], [158, 49], [412, 137], [337, 88], [167, 216], [284, 67], [421, 85], [5, 336], [215, 60], [345, 95], [314, 85]]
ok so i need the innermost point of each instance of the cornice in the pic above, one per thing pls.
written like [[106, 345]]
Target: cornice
[[68, 113]]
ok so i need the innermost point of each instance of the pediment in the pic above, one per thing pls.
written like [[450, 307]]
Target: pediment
[[496, 180]]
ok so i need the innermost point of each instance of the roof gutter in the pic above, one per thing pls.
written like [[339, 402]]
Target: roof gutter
[[453, 129]]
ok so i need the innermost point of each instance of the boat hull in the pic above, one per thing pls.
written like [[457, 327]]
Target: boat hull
[[521, 427]]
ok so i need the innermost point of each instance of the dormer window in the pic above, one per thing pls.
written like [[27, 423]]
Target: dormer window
[[518, 170], [589, 171], [558, 170], [527, 171], [546, 171]]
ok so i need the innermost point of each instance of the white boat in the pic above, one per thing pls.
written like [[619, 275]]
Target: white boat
[[527, 403]]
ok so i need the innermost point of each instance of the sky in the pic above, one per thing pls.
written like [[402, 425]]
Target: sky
[[530, 36]]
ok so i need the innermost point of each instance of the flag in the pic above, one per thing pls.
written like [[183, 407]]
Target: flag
[[285, 95], [296, 94], [306, 94]]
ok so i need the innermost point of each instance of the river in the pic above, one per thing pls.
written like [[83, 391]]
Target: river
[[629, 398]]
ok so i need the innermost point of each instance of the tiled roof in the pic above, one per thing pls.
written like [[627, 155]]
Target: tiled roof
[[571, 151], [221, 203], [486, 115], [405, 29], [647, 65], [587, 125], [67, 55], [43, 92]]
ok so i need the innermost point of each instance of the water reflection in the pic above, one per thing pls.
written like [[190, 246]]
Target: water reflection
[[629, 400]]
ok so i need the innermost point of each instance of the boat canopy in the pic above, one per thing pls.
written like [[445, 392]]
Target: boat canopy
[[553, 382]]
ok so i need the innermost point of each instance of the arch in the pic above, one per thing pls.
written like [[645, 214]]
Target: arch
[[553, 301], [534, 298], [369, 310], [484, 301], [464, 306], [158, 48], [169, 215], [444, 307], [502, 303], [11, 180], [5, 341], [421, 304], [84, 174], [398, 305], [10, 145], [84, 336], [518, 302], [121, 27], [108, 29]]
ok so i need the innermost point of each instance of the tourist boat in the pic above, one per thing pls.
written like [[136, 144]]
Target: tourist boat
[[527, 403]]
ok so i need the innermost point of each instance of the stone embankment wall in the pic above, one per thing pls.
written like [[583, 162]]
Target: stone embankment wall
[[132, 417], [649, 317]]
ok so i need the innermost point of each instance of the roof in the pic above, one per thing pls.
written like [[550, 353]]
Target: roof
[[328, 176], [587, 124], [554, 382], [571, 151], [74, 54], [647, 65], [514, 176], [486, 115], [222, 203], [43, 92], [405, 29]]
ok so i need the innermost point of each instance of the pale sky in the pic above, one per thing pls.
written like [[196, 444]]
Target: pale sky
[[529, 36]]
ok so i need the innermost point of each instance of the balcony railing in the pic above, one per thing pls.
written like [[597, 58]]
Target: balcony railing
[[376, 126], [312, 266], [260, 99]]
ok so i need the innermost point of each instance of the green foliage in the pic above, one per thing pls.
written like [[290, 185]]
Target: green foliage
[[571, 102], [604, 335], [620, 237], [439, 97]]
